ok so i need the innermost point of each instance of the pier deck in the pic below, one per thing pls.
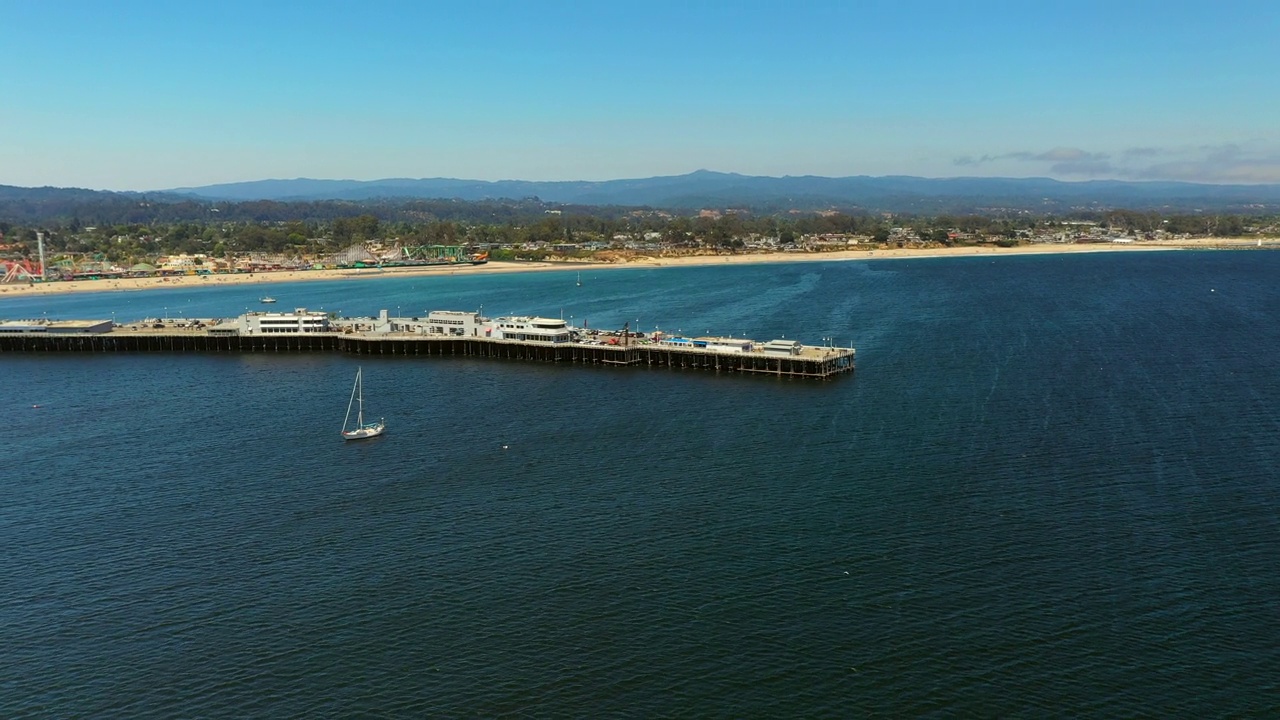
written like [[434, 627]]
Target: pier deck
[[811, 362]]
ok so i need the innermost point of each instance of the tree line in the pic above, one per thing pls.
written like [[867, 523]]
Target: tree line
[[221, 235]]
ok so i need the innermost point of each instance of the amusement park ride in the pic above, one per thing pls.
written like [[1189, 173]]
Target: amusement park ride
[[20, 271]]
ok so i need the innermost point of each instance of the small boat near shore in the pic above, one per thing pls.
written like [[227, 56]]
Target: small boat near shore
[[266, 299]]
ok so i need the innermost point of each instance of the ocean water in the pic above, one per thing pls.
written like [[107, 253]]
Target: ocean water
[[1052, 488]]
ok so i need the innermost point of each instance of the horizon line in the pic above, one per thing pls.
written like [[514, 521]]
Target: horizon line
[[700, 171]]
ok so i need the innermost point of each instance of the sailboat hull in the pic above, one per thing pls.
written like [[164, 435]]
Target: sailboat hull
[[364, 432]]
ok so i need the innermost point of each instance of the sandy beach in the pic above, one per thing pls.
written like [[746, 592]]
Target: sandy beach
[[25, 289]]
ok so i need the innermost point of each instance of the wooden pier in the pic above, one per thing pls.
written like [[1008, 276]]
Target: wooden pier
[[813, 362]]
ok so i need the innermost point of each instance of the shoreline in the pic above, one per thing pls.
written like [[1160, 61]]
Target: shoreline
[[23, 289]]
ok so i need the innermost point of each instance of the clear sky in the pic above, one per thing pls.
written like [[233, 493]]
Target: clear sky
[[135, 95]]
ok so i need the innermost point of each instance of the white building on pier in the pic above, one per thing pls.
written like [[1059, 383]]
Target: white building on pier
[[299, 321], [528, 329]]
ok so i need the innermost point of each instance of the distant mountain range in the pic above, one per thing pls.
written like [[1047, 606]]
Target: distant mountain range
[[517, 201], [705, 188]]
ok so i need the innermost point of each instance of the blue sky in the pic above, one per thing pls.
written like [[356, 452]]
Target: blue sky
[[134, 95]]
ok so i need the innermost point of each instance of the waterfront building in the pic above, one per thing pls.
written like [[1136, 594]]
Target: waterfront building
[[528, 329], [726, 345], [455, 323], [300, 320], [782, 347], [55, 327], [712, 344]]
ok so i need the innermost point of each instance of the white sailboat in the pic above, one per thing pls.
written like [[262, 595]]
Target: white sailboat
[[361, 430]]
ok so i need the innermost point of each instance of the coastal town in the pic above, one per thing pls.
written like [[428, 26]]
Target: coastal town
[[51, 259]]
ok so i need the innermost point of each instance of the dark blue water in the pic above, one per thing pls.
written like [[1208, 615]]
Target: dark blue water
[[1051, 489]]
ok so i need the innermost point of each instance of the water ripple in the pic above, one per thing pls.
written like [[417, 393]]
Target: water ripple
[[1049, 491]]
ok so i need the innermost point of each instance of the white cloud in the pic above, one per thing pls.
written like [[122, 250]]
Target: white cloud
[[1255, 161], [1065, 158]]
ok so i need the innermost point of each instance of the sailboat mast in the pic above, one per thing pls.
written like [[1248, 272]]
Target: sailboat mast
[[359, 398], [351, 402]]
